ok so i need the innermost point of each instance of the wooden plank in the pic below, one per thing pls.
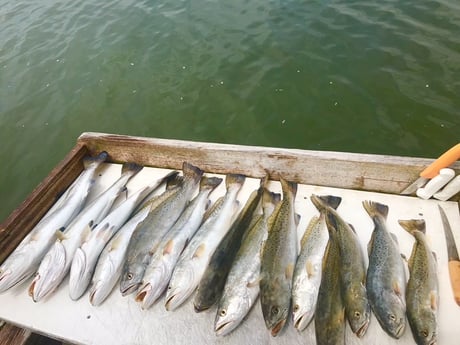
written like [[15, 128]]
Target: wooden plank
[[12, 335], [24, 218], [378, 173]]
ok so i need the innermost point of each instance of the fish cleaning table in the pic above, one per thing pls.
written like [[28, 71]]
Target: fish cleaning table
[[120, 320]]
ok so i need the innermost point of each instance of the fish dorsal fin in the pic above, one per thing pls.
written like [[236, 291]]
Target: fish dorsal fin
[[199, 251], [213, 208], [168, 247], [352, 228], [370, 244], [254, 281], [86, 233], [311, 225]]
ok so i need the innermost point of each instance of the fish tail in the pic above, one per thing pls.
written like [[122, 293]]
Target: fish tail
[[288, 187], [210, 183], [331, 200], [131, 168], [234, 179], [264, 180], [413, 225], [192, 172], [375, 209], [101, 157], [270, 197]]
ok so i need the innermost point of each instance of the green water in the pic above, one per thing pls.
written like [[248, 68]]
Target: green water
[[360, 76]]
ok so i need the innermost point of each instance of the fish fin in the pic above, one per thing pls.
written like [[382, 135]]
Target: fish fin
[[435, 256], [433, 300], [236, 180], [288, 187], [115, 243], [86, 233], [374, 208], [174, 182], [413, 225], [370, 244], [60, 236], [106, 229], [213, 207], [131, 168], [318, 202], [297, 219], [397, 289], [311, 225], [331, 200], [310, 268], [289, 271], [199, 251], [210, 183], [192, 172], [168, 247], [352, 228], [101, 157], [395, 239], [168, 177], [270, 197], [253, 282]]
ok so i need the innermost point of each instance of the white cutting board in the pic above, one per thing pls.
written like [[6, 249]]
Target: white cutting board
[[120, 320]]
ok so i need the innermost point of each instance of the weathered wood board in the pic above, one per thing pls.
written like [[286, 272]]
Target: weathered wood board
[[121, 321]]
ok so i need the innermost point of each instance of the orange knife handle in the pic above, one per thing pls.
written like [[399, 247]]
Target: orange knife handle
[[446, 159], [454, 272]]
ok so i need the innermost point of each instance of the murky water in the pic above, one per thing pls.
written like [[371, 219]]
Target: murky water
[[360, 76]]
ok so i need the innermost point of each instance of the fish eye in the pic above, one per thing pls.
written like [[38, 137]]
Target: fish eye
[[296, 308], [130, 276], [275, 310], [223, 312], [392, 317], [358, 314]]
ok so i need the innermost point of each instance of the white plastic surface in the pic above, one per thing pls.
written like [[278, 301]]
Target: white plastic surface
[[120, 320]]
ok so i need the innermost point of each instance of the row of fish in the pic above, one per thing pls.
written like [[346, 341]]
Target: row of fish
[[175, 243]]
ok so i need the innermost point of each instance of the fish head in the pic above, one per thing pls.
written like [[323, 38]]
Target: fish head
[[181, 286], [17, 268], [231, 312], [97, 293], [131, 279], [360, 312], [275, 315], [50, 273], [391, 313], [302, 314], [424, 327]]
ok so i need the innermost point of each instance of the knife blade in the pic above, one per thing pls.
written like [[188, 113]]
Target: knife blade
[[452, 254], [446, 159]]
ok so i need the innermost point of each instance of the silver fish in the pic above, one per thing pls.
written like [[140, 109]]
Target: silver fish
[[192, 263], [148, 234], [307, 272], [158, 273], [386, 279], [242, 285], [85, 258], [278, 259], [110, 263], [56, 263], [25, 259]]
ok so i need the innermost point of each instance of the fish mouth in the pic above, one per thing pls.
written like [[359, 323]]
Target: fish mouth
[[362, 330], [3, 275], [169, 305], [223, 328], [93, 294], [130, 289], [299, 322], [199, 308], [32, 288], [142, 296], [400, 329], [277, 328]]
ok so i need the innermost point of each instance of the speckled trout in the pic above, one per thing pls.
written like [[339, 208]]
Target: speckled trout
[[150, 231], [307, 272], [242, 285], [278, 259], [56, 263], [422, 293], [193, 261], [159, 271], [25, 259], [386, 279]]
